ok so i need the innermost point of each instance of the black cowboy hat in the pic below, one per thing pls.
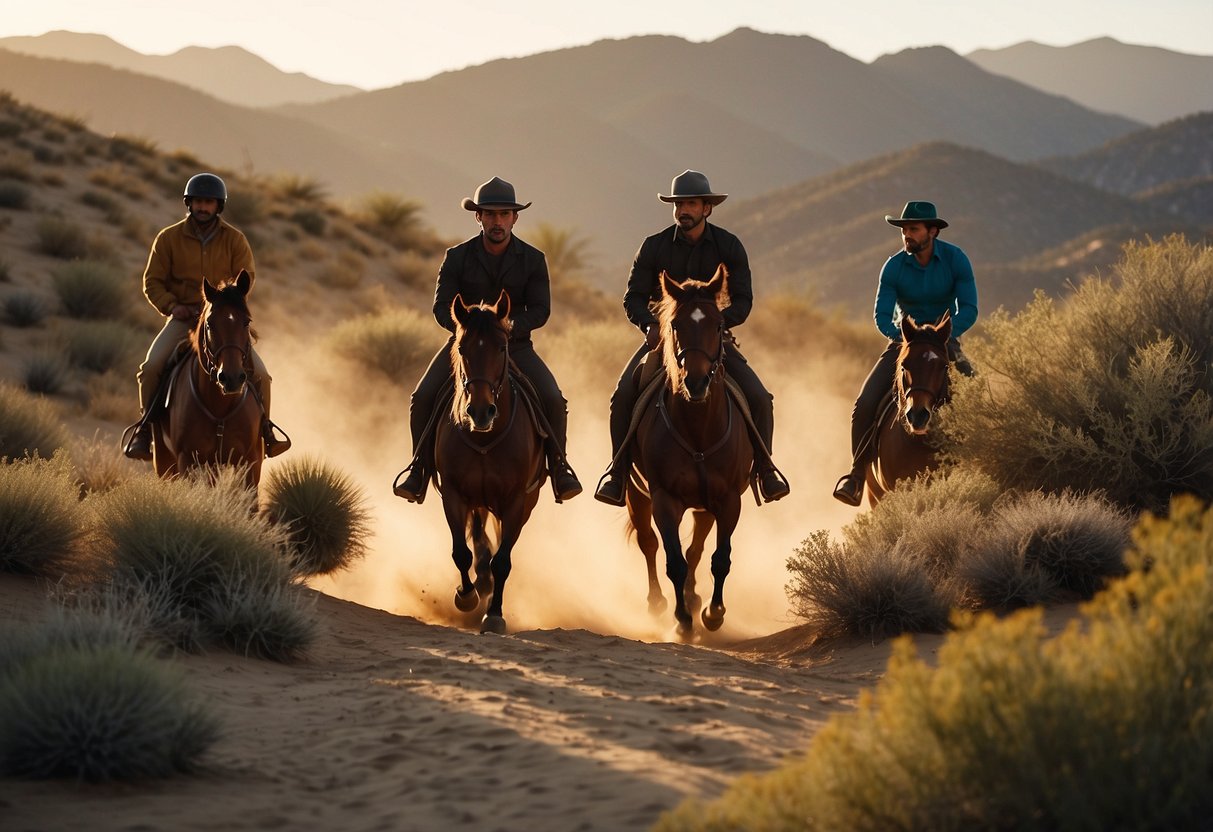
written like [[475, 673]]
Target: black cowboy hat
[[917, 211], [496, 193], [691, 184]]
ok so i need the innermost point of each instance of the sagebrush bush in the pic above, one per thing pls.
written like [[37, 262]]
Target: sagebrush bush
[[1105, 726], [14, 195], [24, 309], [92, 290], [297, 188], [324, 512], [395, 217], [45, 371], [98, 346], [99, 465], [28, 424], [258, 615], [397, 343], [190, 540], [42, 523], [107, 712], [60, 238], [1108, 390]]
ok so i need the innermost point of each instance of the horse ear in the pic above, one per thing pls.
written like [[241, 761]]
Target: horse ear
[[503, 306], [669, 287], [908, 327], [719, 284], [244, 281], [944, 325], [209, 292], [459, 310]]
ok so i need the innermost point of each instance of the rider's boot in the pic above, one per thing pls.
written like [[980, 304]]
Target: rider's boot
[[140, 444], [613, 485], [564, 481], [849, 488], [415, 484], [772, 486]]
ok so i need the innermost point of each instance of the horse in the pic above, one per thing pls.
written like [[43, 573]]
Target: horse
[[488, 456], [692, 450], [213, 415], [920, 384]]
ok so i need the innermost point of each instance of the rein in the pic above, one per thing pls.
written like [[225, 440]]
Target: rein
[[904, 392], [699, 457], [495, 389], [219, 422]]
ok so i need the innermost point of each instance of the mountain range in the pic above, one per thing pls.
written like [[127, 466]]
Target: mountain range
[[814, 147]]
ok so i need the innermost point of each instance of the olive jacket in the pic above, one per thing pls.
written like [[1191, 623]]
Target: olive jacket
[[180, 260]]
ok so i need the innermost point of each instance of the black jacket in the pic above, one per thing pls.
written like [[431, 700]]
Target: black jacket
[[523, 273]]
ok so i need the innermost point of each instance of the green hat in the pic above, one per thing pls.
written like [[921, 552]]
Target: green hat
[[917, 211]]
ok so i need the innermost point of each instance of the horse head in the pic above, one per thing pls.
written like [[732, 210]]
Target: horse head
[[922, 370], [224, 335], [692, 331], [480, 360]]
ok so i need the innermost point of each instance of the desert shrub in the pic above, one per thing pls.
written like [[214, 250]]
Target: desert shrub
[[414, 269], [60, 238], [324, 511], [311, 221], [880, 593], [45, 371], [29, 425], [396, 218], [14, 195], [593, 352], [125, 148], [397, 343], [98, 346], [24, 309], [1036, 547], [48, 156], [1108, 390], [41, 521], [102, 201], [91, 290], [256, 614], [99, 465], [6, 272], [298, 188], [110, 396], [10, 129], [245, 206], [1105, 726], [193, 542], [346, 273], [100, 710]]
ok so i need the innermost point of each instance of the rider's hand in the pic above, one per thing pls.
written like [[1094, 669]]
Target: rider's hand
[[652, 336], [183, 312]]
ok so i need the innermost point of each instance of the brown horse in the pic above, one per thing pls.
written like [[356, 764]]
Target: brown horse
[[213, 415], [488, 456], [692, 450], [920, 384]]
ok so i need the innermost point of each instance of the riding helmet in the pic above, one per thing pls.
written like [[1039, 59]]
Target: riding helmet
[[206, 186]]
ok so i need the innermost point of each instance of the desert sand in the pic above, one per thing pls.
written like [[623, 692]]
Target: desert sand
[[395, 724]]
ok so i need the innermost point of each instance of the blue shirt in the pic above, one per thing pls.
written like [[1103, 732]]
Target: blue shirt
[[925, 293]]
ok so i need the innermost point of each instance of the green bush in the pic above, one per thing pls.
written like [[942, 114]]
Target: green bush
[[324, 511], [102, 345], [92, 290], [14, 195], [98, 712], [1105, 726], [24, 309], [60, 238], [45, 372], [29, 425], [398, 219], [1107, 391], [398, 343], [41, 520], [192, 542]]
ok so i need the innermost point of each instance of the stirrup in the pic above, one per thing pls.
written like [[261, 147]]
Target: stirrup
[[273, 444], [129, 435], [412, 495], [846, 495], [609, 498], [779, 489]]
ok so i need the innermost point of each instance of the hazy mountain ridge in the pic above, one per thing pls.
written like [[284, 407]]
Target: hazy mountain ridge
[[1145, 83], [229, 73]]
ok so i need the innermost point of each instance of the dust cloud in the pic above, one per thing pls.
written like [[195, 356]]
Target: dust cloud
[[574, 567]]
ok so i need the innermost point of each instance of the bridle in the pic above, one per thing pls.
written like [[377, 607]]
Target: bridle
[[713, 360], [208, 357], [495, 387], [936, 395]]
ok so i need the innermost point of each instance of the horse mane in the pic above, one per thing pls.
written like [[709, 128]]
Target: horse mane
[[229, 295], [694, 291]]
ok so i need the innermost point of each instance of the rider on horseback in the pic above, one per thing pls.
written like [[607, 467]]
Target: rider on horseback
[[200, 247], [691, 248], [478, 269], [924, 280]]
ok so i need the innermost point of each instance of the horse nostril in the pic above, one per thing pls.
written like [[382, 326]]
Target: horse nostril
[[490, 412], [467, 411]]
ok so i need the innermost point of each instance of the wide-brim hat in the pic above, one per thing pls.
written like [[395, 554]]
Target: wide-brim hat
[[917, 211], [496, 193], [691, 184]]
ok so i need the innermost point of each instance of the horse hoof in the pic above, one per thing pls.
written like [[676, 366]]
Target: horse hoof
[[694, 602], [466, 602], [494, 624], [657, 604], [713, 617], [684, 629]]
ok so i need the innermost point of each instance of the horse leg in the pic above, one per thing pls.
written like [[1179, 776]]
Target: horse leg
[[667, 513], [513, 518], [702, 524], [730, 513], [640, 515], [456, 511], [482, 551]]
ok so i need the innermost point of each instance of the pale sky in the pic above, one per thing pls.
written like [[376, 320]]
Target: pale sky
[[381, 43]]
